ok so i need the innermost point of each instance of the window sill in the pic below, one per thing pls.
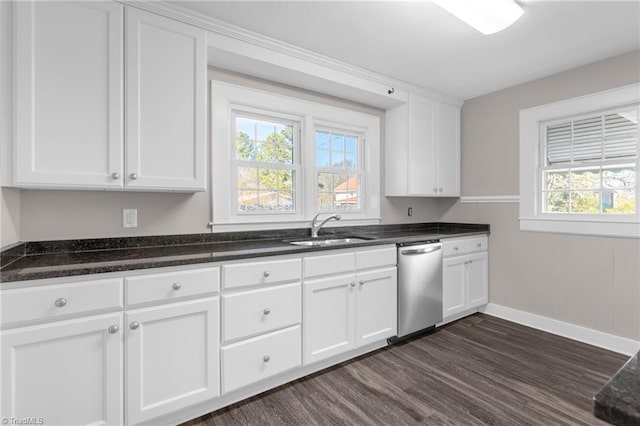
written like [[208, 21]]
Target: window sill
[[264, 226], [630, 229]]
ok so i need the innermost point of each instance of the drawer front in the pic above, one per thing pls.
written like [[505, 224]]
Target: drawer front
[[60, 299], [477, 244], [329, 264], [255, 359], [377, 258], [454, 247], [171, 285], [259, 311], [267, 272]]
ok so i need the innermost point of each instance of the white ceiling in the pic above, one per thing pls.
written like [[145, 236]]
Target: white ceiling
[[419, 43]]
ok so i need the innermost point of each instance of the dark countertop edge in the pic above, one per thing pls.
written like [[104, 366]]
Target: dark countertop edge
[[615, 402], [273, 247]]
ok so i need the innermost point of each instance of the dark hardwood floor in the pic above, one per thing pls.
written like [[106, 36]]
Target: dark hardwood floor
[[478, 370]]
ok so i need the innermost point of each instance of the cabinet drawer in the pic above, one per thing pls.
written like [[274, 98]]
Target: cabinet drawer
[[477, 244], [171, 285], [255, 359], [272, 271], [259, 311], [329, 264], [60, 299], [376, 258], [454, 247]]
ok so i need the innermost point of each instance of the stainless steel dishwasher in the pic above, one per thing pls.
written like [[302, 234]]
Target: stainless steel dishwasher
[[419, 287]]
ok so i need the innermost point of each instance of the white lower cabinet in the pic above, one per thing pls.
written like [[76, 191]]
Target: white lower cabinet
[[465, 276], [347, 311], [329, 317], [65, 373], [172, 358]]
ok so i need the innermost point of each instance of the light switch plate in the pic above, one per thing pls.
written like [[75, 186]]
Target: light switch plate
[[129, 218]]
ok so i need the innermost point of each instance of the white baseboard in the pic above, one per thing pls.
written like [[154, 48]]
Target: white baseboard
[[571, 331]]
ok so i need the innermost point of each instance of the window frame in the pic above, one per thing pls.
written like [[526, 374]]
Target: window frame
[[228, 97], [533, 122]]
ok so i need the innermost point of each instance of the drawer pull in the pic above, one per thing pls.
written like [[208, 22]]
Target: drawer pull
[[177, 286], [456, 248], [266, 273], [134, 325], [479, 245], [266, 358], [353, 283], [113, 329], [61, 302], [266, 311], [361, 282]]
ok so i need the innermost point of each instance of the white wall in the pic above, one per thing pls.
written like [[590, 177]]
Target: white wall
[[588, 281]]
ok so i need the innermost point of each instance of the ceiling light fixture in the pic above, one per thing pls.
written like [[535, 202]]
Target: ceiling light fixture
[[486, 16]]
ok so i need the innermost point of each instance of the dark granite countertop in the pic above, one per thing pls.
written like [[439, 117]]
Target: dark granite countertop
[[618, 402], [51, 259]]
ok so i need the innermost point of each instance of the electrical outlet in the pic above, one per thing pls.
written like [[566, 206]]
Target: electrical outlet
[[410, 211], [129, 218]]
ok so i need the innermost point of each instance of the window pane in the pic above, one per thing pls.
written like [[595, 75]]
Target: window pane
[[557, 180], [619, 177], [556, 202], [585, 202], [338, 192], [247, 201], [585, 179], [337, 142], [323, 158], [245, 148], [322, 140], [351, 144], [351, 160], [619, 202], [268, 179], [325, 182], [285, 201], [247, 178]]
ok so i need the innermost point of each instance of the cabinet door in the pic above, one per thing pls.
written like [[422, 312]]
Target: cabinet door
[[172, 357], [477, 280], [69, 90], [329, 318], [422, 152], [66, 373], [376, 305], [448, 149], [166, 103], [454, 273]]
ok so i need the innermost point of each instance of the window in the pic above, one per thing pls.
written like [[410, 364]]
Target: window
[[589, 164], [338, 167], [579, 165], [266, 165], [277, 161]]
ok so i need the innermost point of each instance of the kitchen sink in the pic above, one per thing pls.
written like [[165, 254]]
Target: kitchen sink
[[328, 242]]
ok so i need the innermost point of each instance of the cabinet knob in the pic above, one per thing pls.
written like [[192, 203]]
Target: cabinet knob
[[266, 273], [266, 311], [133, 176], [115, 175], [439, 189], [456, 248], [361, 282], [61, 302], [479, 245], [134, 325], [176, 286], [352, 283], [435, 189], [113, 329], [266, 358]]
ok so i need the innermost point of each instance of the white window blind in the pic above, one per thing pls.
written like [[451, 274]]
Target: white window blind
[[597, 138]]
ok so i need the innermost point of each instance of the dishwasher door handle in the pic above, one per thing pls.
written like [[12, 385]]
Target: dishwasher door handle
[[421, 251]]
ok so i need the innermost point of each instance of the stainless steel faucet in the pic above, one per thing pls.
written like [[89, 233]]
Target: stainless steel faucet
[[315, 226]]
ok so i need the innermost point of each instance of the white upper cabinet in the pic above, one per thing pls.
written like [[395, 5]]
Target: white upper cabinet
[[422, 149], [68, 94], [80, 76], [166, 103]]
